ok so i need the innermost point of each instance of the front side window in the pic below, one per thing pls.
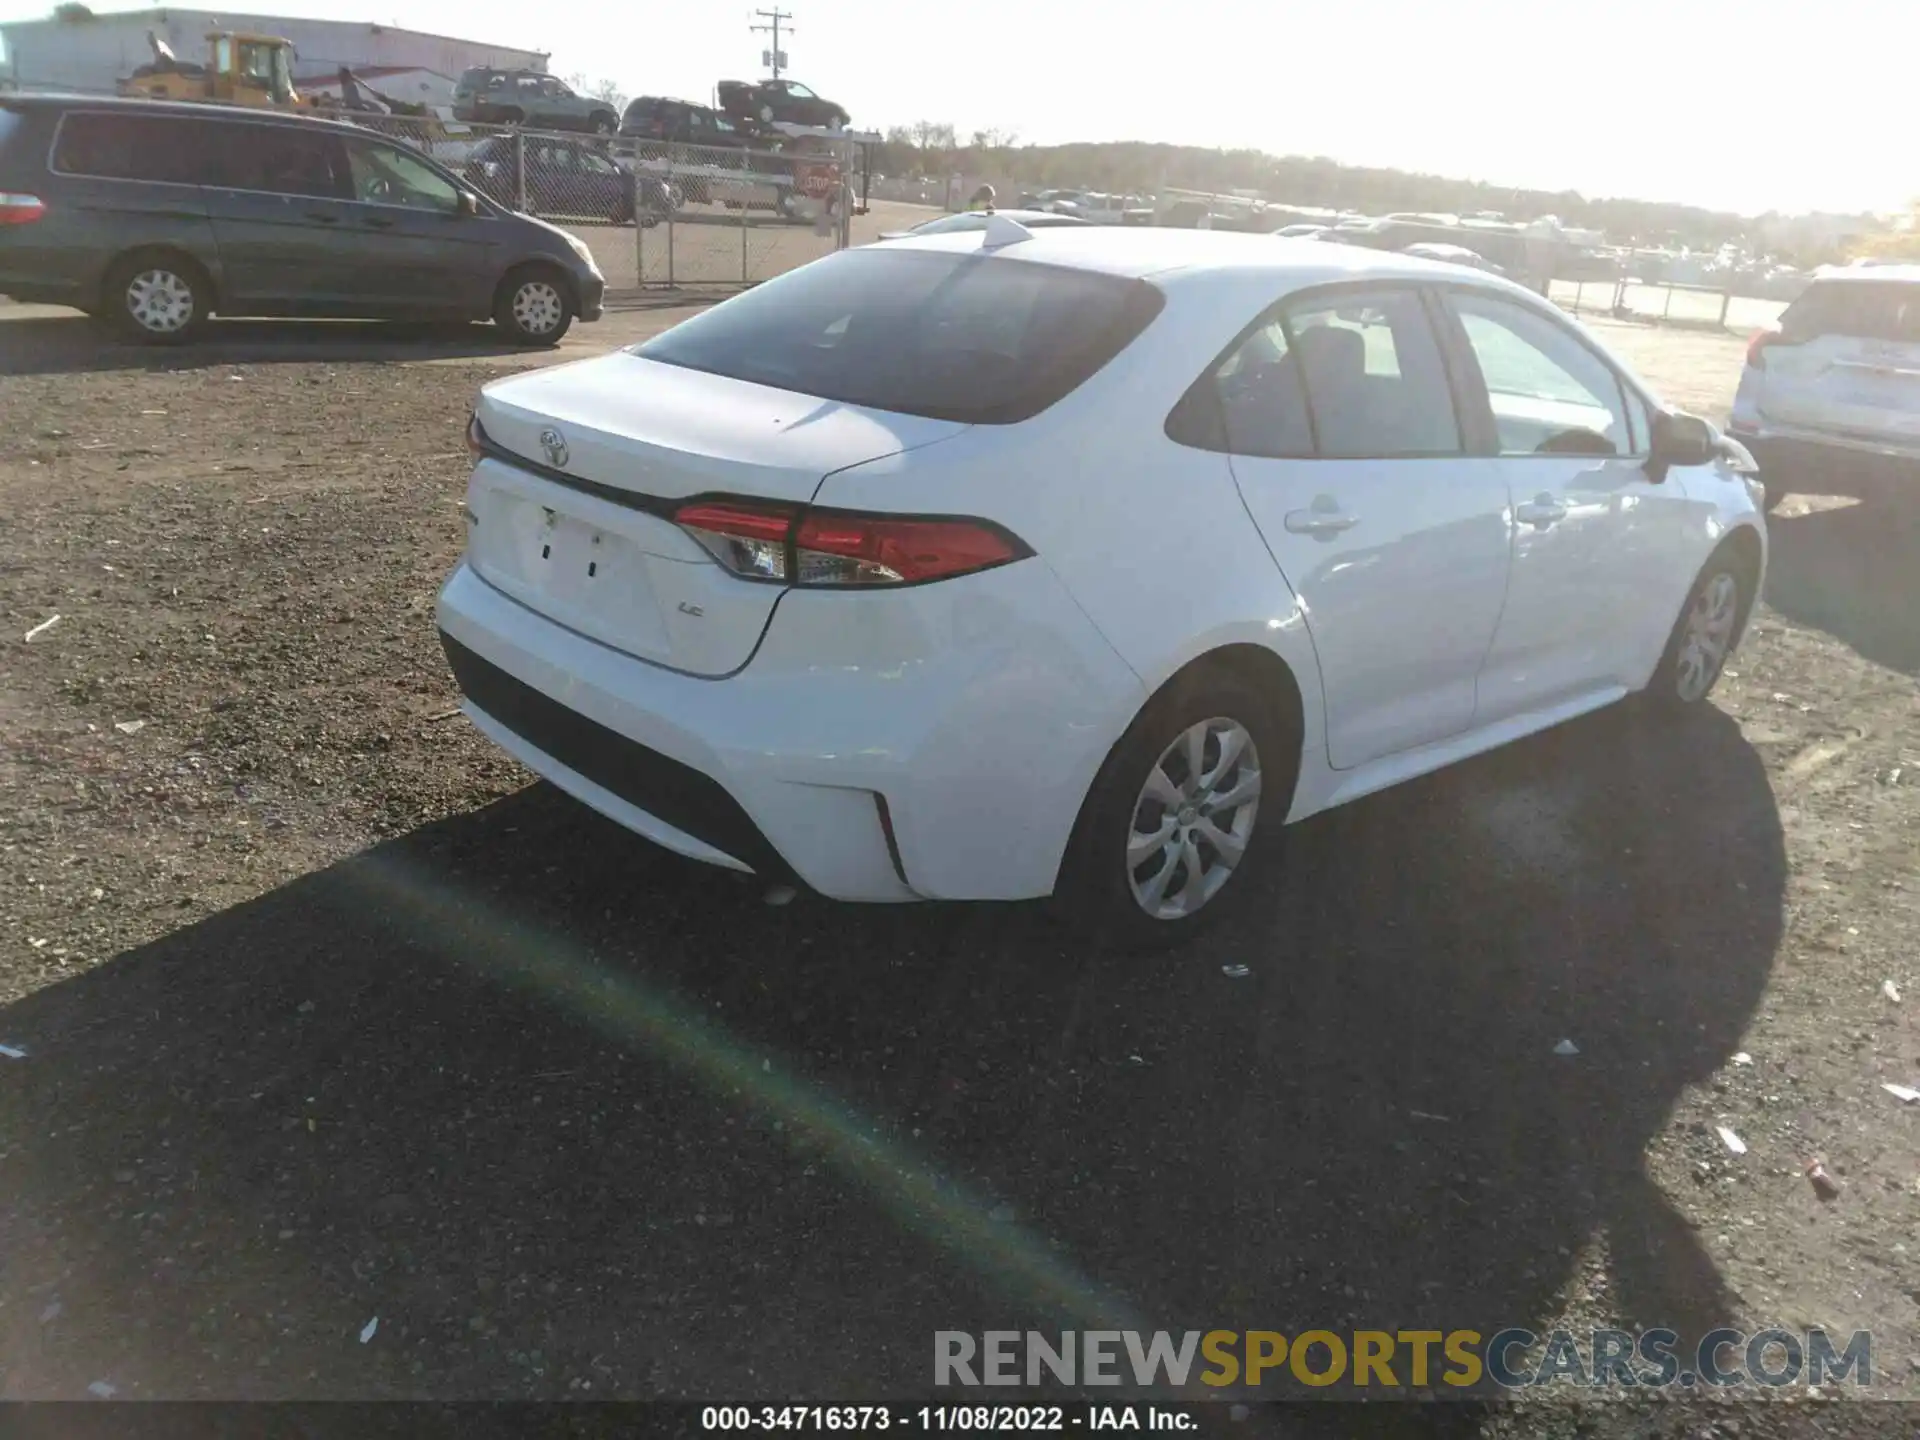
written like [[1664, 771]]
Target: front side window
[[256, 65], [799, 92], [383, 176], [1550, 394], [967, 337]]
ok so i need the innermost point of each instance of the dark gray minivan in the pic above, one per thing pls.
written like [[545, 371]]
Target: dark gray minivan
[[154, 215]]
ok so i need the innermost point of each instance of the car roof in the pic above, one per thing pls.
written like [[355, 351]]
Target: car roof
[[46, 100], [1841, 274], [1138, 252]]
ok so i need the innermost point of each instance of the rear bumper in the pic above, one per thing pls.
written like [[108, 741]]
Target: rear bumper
[[938, 751], [1786, 455]]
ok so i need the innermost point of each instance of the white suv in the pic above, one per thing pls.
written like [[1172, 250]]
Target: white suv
[[1836, 386]]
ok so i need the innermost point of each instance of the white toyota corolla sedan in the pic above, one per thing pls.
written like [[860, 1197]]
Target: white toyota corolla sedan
[[1078, 562]]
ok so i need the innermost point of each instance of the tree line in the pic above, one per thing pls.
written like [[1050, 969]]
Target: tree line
[[935, 150]]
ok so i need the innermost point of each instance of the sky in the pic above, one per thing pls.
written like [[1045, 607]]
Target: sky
[[1747, 105]]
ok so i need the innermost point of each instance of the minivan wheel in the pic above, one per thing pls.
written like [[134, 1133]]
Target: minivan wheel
[[1183, 819], [157, 299], [534, 307]]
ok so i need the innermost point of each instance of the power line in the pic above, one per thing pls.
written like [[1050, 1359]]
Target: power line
[[774, 17]]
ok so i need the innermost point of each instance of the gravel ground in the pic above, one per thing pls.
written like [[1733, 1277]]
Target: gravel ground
[[329, 1015]]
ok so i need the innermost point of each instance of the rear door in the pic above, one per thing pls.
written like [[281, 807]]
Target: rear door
[[1341, 422], [1848, 361], [278, 199]]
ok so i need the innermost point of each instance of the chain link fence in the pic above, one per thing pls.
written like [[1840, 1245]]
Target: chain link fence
[[654, 214]]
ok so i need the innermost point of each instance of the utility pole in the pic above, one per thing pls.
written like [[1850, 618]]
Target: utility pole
[[773, 17]]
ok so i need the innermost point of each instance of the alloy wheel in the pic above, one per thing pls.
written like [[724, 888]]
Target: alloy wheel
[[1193, 818], [1707, 635]]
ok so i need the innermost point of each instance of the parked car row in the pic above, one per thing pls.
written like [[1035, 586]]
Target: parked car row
[[485, 95]]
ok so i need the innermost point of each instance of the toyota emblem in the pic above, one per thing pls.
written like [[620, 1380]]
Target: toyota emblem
[[555, 444]]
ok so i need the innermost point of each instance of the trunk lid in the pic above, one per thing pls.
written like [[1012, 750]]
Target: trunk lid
[[577, 525]]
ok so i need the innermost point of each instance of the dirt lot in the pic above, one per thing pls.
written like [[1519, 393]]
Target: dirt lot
[[328, 1015]]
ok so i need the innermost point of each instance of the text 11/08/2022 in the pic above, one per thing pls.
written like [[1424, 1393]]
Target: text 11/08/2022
[[936, 1419]]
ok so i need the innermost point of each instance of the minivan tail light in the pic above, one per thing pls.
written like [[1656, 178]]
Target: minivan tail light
[[843, 548], [20, 209], [1757, 348]]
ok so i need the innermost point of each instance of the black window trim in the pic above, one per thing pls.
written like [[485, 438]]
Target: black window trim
[[341, 137], [1481, 401], [1198, 399]]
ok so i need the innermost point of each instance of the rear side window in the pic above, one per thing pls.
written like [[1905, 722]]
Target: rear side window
[[135, 146], [1355, 375], [980, 339], [1857, 309]]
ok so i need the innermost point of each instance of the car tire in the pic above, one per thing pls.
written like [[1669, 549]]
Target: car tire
[[604, 124], [1710, 625], [512, 117], [1114, 870], [534, 306], [157, 297]]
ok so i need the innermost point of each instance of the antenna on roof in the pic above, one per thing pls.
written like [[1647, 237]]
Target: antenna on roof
[[1003, 231]]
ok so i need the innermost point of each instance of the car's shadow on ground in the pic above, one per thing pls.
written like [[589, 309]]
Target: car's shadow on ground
[[560, 1109], [1853, 571], [49, 342], [71, 343]]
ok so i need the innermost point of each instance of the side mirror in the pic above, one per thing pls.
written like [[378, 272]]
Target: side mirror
[[466, 207], [1679, 439]]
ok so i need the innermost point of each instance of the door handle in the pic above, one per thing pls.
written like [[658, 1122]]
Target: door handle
[[376, 222], [1539, 512], [323, 217], [1327, 522]]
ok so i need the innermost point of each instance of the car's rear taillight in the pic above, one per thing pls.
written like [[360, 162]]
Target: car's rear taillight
[[843, 548], [476, 437], [1757, 348], [20, 209]]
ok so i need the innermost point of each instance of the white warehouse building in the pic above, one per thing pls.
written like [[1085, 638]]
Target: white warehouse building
[[93, 52]]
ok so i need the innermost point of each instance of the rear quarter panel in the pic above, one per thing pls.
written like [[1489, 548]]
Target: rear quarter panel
[[90, 223], [1148, 538]]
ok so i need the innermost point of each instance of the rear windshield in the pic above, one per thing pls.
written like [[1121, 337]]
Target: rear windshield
[[981, 339], [1859, 309]]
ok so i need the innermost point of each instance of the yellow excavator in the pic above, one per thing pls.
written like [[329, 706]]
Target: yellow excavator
[[240, 70]]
